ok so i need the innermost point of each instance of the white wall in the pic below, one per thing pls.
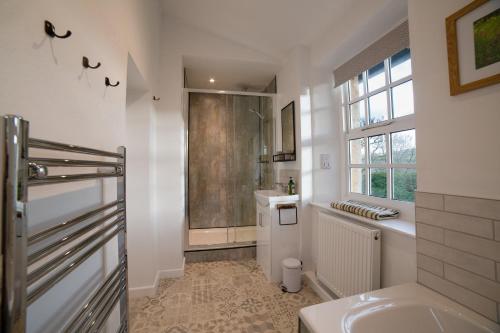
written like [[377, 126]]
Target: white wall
[[457, 137], [326, 136], [178, 40], [307, 77], [292, 82], [43, 81], [293, 85], [141, 229]]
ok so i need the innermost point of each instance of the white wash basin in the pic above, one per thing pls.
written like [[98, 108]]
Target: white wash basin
[[265, 197], [409, 308]]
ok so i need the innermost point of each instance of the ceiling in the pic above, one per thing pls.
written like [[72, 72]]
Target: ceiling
[[229, 74], [273, 27]]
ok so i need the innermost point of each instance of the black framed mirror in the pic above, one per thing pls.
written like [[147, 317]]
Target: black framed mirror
[[288, 146], [288, 128]]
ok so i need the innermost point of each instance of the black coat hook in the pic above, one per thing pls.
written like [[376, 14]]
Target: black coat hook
[[51, 31], [85, 63], [156, 98], [108, 84]]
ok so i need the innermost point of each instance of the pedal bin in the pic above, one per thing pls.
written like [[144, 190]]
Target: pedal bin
[[292, 275]]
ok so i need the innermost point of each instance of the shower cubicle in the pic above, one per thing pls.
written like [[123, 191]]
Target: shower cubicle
[[230, 146]]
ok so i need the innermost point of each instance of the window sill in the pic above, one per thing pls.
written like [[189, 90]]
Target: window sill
[[405, 228]]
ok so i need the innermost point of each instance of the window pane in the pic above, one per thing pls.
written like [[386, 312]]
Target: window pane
[[345, 90], [358, 180], [378, 107], [378, 153], [403, 147], [344, 116], [402, 99], [378, 182], [356, 87], [400, 65], [376, 77], [404, 183], [358, 118], [357, 151]]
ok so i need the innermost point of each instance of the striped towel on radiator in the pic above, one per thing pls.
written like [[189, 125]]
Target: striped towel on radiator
[[365, 210]]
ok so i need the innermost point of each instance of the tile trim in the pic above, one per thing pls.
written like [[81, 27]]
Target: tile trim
[[152, 290], [465, 287], [495, 215], [445, 261], [434, 207], [448, 243], [424, 228], [314, 283], [454, 299], [492, 222], [426, 257]]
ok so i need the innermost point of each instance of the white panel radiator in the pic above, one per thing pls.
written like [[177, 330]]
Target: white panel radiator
[[348, 256]]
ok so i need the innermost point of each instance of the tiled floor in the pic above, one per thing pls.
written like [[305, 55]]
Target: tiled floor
[[222, 297]]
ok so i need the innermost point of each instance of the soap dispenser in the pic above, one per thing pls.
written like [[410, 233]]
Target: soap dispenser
[[291, 186]]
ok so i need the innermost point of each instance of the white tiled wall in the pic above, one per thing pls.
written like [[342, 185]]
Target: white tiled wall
[[458, 249]]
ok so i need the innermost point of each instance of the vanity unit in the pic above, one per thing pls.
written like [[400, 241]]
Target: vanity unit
[[277, 231]]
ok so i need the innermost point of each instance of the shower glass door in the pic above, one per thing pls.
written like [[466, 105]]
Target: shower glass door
[[250, 168], [230, 147]]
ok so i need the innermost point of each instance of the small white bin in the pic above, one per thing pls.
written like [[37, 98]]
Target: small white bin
[[292, 275]]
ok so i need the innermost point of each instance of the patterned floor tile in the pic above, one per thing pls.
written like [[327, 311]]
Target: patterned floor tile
[[220, 297]]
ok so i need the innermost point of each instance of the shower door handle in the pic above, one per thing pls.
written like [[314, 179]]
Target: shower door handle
[[260, 219]]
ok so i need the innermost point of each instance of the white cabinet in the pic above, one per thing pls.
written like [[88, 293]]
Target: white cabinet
[[275, 242], [264, 239]]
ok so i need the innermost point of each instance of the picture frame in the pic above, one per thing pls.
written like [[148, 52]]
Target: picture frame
[[473, 47]]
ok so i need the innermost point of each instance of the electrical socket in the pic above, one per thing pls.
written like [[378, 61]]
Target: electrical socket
[[325, 161]]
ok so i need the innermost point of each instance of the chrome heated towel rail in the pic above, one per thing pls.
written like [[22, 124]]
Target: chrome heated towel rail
[[70, 243]]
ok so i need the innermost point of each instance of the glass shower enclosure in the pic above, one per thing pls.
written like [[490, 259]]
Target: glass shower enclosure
[[230, 144]]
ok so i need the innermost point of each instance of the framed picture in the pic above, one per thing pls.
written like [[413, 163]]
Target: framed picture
[[473, 38]]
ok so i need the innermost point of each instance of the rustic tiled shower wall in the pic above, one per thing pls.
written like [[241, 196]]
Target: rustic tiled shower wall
[[230, 150], [208, 170], [458, 249]]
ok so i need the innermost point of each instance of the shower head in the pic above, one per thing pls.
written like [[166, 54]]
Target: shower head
[[257, 113]]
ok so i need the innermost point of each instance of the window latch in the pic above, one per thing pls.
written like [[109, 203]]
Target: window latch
[[382, 124]]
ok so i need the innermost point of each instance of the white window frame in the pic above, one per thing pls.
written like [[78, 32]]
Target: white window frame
[[391, 125]]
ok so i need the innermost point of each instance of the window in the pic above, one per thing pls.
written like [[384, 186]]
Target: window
[[380, 131]]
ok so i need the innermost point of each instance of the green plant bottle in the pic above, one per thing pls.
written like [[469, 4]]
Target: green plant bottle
[[291, 186]]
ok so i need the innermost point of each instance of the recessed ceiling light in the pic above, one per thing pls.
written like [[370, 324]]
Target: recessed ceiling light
[[212, 80]]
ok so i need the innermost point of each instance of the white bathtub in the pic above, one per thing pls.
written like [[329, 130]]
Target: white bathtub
[[214, 236], [404, 308]]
